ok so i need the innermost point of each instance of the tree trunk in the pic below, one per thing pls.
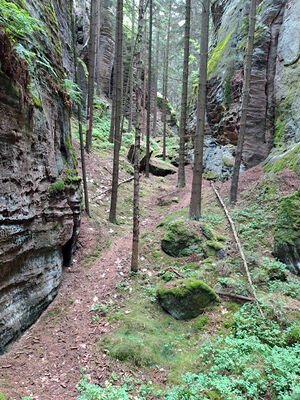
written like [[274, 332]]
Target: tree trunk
[[145, 78], [149, 90], [195, 204], [136, 194], [118, 111], [84, 181], [131, 69], [245, 102], [156, 83], [165, 84], [91, 82], [184, 95]]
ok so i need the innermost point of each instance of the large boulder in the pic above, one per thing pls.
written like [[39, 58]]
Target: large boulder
[[287, 232], [185, 299], [184, 238]]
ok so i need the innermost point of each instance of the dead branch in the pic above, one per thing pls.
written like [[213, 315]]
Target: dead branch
[[239, 247]]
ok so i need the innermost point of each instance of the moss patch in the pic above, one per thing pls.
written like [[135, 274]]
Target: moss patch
[[287, 231], [185, 299], [215, 56]]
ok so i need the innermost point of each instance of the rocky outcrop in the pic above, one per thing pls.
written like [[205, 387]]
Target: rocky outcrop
[[273, 115], [40, 193]]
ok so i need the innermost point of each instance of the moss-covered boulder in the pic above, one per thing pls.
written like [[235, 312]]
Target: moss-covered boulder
[[287, 232], [181, 240], [185, 299]]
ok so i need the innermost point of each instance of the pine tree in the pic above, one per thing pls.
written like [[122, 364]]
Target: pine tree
[[149, 91], [79, 116], [118, 111], [156, 81], [92, 61], [195, 204], [131, 69], [136, 194], [184, 95], [245, 102], [165, 82]]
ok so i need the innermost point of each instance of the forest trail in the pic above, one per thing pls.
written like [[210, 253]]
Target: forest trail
[[46, 362]]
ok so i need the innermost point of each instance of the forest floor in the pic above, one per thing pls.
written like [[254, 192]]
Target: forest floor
[[46, 362]]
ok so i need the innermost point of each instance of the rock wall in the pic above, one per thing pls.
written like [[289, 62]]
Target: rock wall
[[274, 92], [40, 194]]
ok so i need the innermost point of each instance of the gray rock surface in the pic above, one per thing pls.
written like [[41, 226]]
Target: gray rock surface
[[38, 229]]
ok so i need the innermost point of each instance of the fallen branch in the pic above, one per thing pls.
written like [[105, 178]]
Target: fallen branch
[[239, 247], [235, 296], [121, 183], [174, 272]]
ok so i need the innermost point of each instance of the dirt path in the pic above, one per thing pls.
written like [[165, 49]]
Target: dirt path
[[46, 362]]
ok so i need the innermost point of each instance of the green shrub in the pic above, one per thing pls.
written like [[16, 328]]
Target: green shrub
[[57, 187]]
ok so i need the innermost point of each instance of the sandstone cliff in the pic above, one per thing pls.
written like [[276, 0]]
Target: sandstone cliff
[[273, 115], [40, 195]]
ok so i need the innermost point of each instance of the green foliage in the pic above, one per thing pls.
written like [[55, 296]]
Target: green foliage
[[290, 159], [89, 391], [16, 21], [2, 397], [57, 187], [73, 90]]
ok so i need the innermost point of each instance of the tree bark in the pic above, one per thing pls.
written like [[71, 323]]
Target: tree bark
[[149, 90], [84, 181], [165, 83], [156, 82], [184, 95], [131, 69], [136, 194], [145, 78], [118, 111], [91, 82], [245, 102], [195, 204]]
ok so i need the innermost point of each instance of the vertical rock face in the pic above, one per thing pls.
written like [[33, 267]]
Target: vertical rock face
[[40, 194], [273, 114]]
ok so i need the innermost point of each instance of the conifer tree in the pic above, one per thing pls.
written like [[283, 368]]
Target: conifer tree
[[195, 203], [165, 81], [136, 194], [92, 62], [118, 111], [245, 102], [149, 91], [184, 94]]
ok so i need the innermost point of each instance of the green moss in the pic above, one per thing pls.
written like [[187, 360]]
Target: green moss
[[215, 56], [215, 245], [2, 397], [210, 176], [57, 187], [200, 322], [290, 159], [37, 102], [207, 231], [287, 228], [227, 162], [185, 299], [179, 241], [72, 151]]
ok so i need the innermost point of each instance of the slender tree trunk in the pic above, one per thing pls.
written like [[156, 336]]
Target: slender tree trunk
[[113, 112], [136, 195], [245, 102], [184, 95], [91, 83], [97, 72], [195, 204], [118, 111], [166, 77], [156, 83], [131, 69], [149, 90], [84, 181], [145, 77]]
